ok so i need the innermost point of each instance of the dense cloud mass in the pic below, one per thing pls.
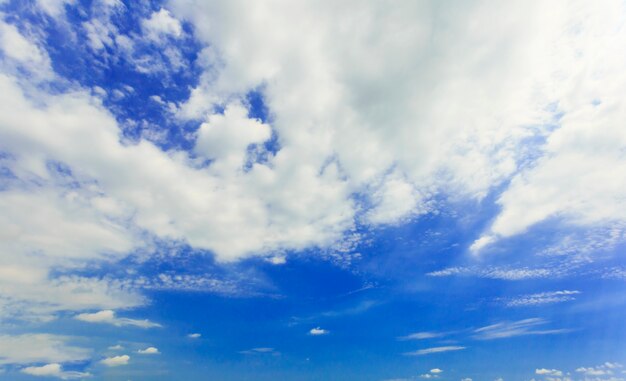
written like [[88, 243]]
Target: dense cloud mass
[[376, 115]]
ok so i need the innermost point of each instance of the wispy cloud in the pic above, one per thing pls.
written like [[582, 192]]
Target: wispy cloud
[[502, 273], [428, 351], [108, 317], [423, 335], [260, 351], [517, 328], [541, 298]]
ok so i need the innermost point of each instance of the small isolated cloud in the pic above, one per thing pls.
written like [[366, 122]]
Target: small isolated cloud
[[516, 328], [466, 379], [428, 351], [116, 360], [433, 373], [194, 335], [108, 317], [54, 370], [318, 331], [116, 347], [149, 351], [549, 372]]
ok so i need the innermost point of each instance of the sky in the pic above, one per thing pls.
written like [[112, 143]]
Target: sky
[[312, 190]]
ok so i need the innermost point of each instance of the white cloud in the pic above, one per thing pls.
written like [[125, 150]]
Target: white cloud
[[24, 51], [54, 370], [115, 360], [194, 335], [605, 369], [542, 298], [503, 273], [261, 350], [149, 351], [549, 372], [161, 24], [516, 328], [54, 8], [108, 317], [423, 335], [116, 347], [575, 179], [318, 331], [225, 137], [38, 348], [428, 351], [436, 371]]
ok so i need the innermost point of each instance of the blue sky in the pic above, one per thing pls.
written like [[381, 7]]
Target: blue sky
[[273, 190]]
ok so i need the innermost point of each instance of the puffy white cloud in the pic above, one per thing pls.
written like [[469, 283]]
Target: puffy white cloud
[[39, 348], [436, 371], [317, 331], [194, 335], [342, 83], [576, 179], [21, 50], [549, 372], [225, 137], [108, 317], [116, 360], [54, 370], [160, 24], [149, 351], [428, 351]]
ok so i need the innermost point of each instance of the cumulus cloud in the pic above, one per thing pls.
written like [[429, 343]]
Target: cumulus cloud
[[108, 317], [549, 372], [54, 370], [115, 360], [39, 348], [149, 351], [317, 331], [161, 23]]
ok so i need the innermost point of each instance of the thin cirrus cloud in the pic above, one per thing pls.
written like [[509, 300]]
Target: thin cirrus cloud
[[507, 329], [432, 350], [109, 317], [542, 298]]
